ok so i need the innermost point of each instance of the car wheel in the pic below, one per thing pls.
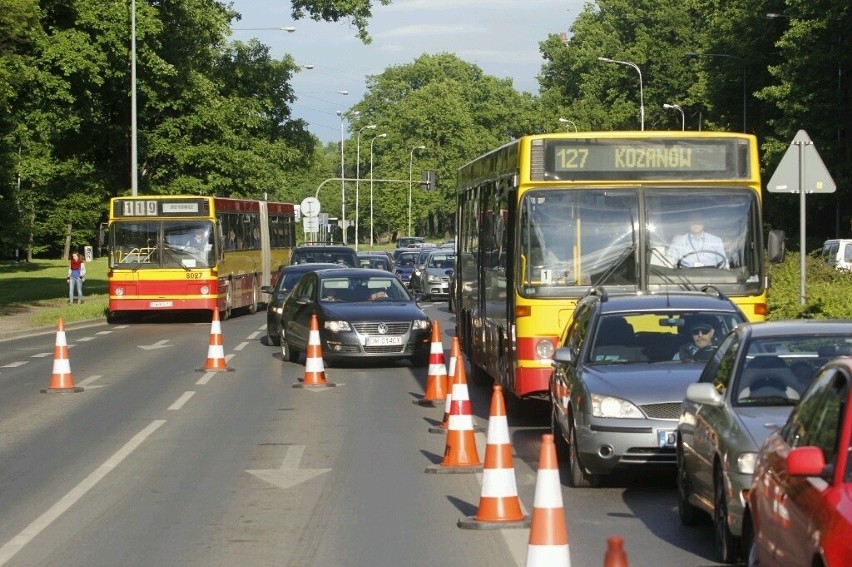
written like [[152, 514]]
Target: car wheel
[[273, 336], [559, 439], [687, 512], [578, 477], [726, 543]]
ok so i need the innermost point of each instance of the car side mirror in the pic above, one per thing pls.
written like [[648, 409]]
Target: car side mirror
[[704, 393], [806, 461], [266, 289], [564, 354]]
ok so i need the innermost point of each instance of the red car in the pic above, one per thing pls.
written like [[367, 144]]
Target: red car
[[800, 502]]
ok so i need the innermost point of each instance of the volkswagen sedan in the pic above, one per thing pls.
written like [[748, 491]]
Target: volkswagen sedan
[[361, 313]]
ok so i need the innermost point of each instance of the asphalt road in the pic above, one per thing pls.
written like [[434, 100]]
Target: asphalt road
[[158, 463]]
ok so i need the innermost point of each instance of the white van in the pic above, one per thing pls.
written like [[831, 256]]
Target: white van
[[838, 253]]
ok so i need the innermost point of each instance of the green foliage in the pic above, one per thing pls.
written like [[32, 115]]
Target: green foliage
[[827, 290]]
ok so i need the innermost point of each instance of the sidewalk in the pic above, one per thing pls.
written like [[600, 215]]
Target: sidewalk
[[17, 324]]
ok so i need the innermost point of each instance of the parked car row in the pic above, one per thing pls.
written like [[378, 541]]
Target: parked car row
[[752, 416]]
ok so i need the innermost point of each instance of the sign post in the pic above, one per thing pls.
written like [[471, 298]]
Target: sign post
[[801, 171]]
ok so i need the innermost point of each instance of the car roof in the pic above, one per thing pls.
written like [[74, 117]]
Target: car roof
[[307, 267], [355, 272], [678, 301], [799, 327], [331, 247]]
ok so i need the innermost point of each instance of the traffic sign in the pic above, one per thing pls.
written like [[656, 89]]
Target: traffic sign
[[310, 224], [801, 164], [310, 206]]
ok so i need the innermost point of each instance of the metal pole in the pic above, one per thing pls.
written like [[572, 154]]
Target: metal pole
[[134, 159], [358, 179], [342, 182], [641, 89], [382, 135], [802, 245], [410, 162]]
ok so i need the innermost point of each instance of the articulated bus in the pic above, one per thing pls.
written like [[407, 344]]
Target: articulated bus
[[171, 253], [545, 217]]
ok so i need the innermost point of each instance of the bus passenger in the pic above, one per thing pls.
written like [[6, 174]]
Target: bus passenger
[[697, 248]]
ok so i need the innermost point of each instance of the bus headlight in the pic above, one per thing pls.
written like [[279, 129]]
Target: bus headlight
[[204, 290], [544, 349], [119, 291]]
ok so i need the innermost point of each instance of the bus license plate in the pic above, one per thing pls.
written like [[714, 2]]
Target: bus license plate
[[155, 304], [666, 439], [383, 341]]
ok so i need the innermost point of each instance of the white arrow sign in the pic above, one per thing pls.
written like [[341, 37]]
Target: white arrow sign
[[289, 474], [156, 345]]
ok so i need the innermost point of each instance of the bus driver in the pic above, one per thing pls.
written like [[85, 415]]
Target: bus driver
[[697, 248]]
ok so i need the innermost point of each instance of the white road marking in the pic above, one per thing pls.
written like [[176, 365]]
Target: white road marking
[[89, 380], [41, 355], [241, 346], [15, 364], [182, 400], [26, 535]]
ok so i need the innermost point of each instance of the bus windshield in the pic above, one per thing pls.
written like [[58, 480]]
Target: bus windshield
[[573, 239], [162, 244]]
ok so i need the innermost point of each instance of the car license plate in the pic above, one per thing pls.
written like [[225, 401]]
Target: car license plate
[[383, 341], [666, 438], [155, 304]]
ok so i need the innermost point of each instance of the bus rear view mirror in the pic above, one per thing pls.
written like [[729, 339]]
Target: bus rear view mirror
[[775, 246]]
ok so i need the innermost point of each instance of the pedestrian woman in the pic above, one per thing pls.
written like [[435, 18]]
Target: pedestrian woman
[[76, 276]]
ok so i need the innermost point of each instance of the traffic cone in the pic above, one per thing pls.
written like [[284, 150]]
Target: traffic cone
[[460, 454], [216, 349], [436, 380], [499, 505], [615, 555], [548, 543], [455, 352], [61, 381], [314, 368]]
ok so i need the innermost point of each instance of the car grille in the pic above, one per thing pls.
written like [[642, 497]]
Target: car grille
[[668, 410], [372, 328], [648, 456], [388, 349]]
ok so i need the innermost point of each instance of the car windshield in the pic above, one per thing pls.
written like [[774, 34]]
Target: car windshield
[[650, 336], [440, 261], [777, 370], [361, 288], [324, 256], [407, 259]]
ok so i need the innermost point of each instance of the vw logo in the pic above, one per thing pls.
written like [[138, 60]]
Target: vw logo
[[382, 329]]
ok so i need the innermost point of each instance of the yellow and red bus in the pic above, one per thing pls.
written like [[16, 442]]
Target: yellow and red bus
[[181, 252], [545, 217]]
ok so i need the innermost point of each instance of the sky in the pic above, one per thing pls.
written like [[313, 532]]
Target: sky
[[500, 36]]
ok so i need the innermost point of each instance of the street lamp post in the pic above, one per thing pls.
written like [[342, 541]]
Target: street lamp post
[[677, 107], [382, 135], [358, 178], [566, 121], [410, 163], [641, 93], [737, 58], [134, 158]]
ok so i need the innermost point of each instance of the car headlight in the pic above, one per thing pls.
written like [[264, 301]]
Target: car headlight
[[609, 406], [278, 310], [337, 326], [544, 349], [746, 462], [434, 279], [420, 325]]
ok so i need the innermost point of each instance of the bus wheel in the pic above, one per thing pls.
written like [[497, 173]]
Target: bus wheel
[[479, 376], [255, 293], [229, 301]]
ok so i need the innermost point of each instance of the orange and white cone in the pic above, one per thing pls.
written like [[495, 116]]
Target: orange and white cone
[[455, 353], [314, 368], [615, 555], [548, 543], [436, 380], [61, 381], [216, 348], [460, 453], [499, 505]]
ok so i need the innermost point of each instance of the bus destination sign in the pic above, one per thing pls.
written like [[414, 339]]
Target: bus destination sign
[[609, 158], [161, 207]]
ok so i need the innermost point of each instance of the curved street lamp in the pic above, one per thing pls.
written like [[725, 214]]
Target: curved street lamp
[[727, 56], [641, 94], [668, 106], [566, 121], [410, 162], [382, 135], [358, 178]]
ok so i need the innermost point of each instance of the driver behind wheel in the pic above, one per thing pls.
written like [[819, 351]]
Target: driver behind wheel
[[703, 343], [697, 248]]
